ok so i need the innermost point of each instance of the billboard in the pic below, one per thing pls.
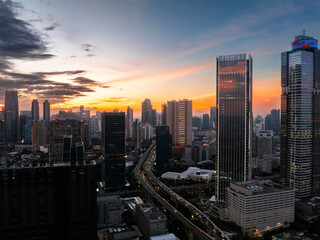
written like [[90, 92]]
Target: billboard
[[307, 43]]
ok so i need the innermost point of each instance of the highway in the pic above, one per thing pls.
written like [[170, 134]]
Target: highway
[[139, 174], [198, 213]]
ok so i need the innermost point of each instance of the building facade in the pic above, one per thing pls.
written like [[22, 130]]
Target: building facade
[[260, 206], [113, 144], [129, 122], [35, 110], [163, 147], [300, 117], [46, 112], [234, 121], [48, 203]]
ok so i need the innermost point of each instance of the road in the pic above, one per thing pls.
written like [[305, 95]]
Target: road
[[139, 174], [197, 213]]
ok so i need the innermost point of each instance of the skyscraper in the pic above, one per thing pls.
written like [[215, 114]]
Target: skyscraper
[[129, 122], [46, 112], [179, 120], [272, 121], [234, 121], [35, 110], [146, 111], [205, 122], [213, 113], [164, 114], [113, 144], [300, 117], [11, 116], [39, 133], [163, 147], [185, 122]]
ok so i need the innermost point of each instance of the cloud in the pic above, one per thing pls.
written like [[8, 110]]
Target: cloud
[[89, 49], [18, 40], [52, 27], [88, 82]]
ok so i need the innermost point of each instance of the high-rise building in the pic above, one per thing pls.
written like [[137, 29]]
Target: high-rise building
[[300, 117], [146, 111], [48, 203], [129, 122], [205, 122], [113, 144], [2, 126], [213, 114], [272, 121], [46, 112], [11, 116], [164, 114], [179, 120], [35, 110], [163, 147], [136, 134], [234, 121], [58, 129]]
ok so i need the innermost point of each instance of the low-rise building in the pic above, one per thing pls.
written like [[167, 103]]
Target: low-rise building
[[193, 173], [169, 236], [109, 211], [259, 206], [151, 220]]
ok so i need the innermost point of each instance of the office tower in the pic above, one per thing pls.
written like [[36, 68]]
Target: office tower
[[300, 117], [264, 143], [213, 114], [272, 121], [48, 203], [46, 112], [234, 121], [179, 120], [154, 118], [146, 111], [2, 126], [136, 134], [39, 133], [205, 122], [11, 116], [129, 122], [35, 110], [113, 145], [84, 114], [163, 147], [197, 122], [58, 129]]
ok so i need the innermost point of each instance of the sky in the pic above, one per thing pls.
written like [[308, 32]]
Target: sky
[[107, 54]]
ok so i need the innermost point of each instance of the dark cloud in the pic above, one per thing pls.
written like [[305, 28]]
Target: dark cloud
[[89, 49], [52, 27], [88, 82]]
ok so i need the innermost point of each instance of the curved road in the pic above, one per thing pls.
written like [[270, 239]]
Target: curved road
[[186, 222]]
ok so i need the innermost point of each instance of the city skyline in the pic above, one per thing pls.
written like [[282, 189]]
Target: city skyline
[[72, 43]]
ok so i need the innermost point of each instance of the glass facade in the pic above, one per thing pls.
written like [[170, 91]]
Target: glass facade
[[234, 120], [11, 116], [300, 121]]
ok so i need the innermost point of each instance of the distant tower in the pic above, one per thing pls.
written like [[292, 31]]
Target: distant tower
[[234, 121], [35, 110], [300, 117], [46, 112], [205, 122], [11, 116], [146, 111], [129, 122], [163, 145], [164, 114]]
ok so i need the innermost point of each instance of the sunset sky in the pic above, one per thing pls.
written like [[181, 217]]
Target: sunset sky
[[107, 54]]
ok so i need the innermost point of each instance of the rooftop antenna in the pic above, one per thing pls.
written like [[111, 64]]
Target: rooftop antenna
[[304, 32]]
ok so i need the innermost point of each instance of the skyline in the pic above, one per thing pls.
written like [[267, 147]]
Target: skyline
[[84, 53]]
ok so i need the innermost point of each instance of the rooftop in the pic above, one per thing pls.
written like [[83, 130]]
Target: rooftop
[[151, 211]]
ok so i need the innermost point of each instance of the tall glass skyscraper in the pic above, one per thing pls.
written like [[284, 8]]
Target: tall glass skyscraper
[[234, 121], [11, 116], [35, 110], [300, 117]]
